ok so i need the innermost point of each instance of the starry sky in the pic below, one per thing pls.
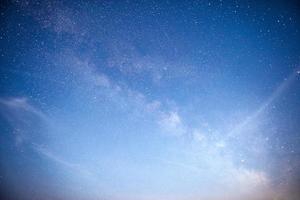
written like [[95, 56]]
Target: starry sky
[[149, 100]]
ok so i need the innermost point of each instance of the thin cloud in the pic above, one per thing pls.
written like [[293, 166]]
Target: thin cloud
[[77, 168], [275, 95], [172, 123], [21, 103]]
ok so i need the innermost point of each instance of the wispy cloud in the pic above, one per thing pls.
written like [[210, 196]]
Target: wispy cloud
[[21, 103], [99, 84], [23, 117], [54, 157], [13, 107], [172, 123], [275, 95]]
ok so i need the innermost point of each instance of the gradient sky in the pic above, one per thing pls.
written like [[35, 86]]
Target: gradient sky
[[150, 100]]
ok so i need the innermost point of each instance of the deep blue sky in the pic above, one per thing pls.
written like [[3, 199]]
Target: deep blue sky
[[155, 100]]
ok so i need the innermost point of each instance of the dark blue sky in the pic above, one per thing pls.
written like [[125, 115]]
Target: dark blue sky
[[150, 100]]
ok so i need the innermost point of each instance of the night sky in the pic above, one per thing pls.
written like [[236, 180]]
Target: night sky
[[149, 100]]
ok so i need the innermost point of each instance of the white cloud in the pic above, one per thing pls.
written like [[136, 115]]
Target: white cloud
[[153, 106], [21, 103], [220, 144], [171, 123], [198, 135]]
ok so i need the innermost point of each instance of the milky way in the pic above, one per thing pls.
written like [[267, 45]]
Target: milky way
[[150, 100]]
